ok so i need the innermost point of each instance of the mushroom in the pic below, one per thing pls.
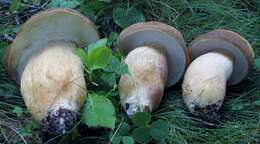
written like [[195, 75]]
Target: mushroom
[[51, 76], [220, 58], [157, 57]]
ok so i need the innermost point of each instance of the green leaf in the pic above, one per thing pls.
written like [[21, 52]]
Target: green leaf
[[98, 55], [112, 65], [141, 119], [116, 140], [98, 58], [124, 129], [18, 111], [15, 5], [64, 4], [109, 78], [257, 64], [127, 140], [141, 134], [82, 54], [159, 130], [98, 44], [116, 66], [126, 17], [99, 112]]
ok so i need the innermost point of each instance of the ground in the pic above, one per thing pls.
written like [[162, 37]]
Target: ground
[[239, 120]]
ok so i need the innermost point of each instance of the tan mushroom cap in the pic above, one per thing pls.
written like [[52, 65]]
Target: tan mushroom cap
[[150, 33], [49, 25], [232, 43]]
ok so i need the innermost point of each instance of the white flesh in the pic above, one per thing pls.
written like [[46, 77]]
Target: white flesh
[[53, 79], [205, 80], [143, 88]]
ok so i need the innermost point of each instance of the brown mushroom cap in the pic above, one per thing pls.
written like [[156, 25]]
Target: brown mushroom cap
[[236, 46], [148, 33], [48, 25]]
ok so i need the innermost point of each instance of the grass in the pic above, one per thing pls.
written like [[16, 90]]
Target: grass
[[240, 114]]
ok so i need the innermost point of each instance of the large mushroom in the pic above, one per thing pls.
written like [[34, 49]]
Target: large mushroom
[[42, 61], [157, 57], [220, 58]]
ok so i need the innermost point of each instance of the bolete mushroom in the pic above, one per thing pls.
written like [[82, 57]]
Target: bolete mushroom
[[156, 57], [220, 58], [42, 61]]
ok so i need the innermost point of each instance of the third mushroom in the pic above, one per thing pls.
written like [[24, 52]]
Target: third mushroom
[[220, 58], [157, 57]]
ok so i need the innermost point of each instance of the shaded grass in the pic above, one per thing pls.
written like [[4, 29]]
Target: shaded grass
[[240, 114]]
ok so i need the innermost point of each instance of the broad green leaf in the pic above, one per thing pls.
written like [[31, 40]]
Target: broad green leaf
[[109, 78], [124, 129], [141, 134], [98, 44], [64, 3], [257, 64], [126, 17], [98, 55], [18, 111], [99, 112], [15, 5], [112, 65], [159, 130], [141, 119], [116, 66], [82, 54], [98, 58], [116, 139], [127, 140]]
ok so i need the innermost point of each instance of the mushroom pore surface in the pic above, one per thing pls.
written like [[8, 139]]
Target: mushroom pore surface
[[142, 89], [53, 80], [204, 84]]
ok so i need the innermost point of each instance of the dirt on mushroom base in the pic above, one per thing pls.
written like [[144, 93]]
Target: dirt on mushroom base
[[240, 115]]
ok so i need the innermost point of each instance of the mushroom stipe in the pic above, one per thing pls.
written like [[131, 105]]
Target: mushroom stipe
[[220, 58]]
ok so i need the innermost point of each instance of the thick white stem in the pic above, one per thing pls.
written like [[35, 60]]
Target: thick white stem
[[53, 79], [143, 88], [204, 84]]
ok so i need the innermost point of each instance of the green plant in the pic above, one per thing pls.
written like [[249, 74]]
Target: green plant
[[103, 69]]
